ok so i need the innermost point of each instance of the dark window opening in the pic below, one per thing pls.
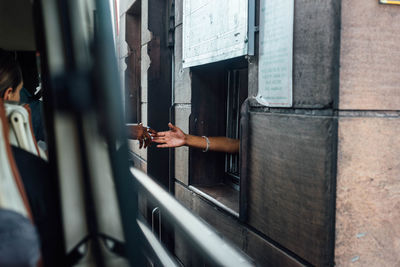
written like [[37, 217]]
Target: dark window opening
[[218, 91]]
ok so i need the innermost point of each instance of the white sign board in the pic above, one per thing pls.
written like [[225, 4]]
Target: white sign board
[[275, 65], [214, 30]]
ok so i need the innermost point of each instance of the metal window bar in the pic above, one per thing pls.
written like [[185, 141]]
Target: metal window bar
[[158, 211], [154, 251], [202, 237], [232, 123]]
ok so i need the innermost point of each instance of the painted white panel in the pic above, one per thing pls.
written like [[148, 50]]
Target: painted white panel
[[214, 30], [275, 65]]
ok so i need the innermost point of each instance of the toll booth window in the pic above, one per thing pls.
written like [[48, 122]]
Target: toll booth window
[[218, 91]]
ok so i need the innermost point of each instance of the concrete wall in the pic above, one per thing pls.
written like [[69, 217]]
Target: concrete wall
[[368, 184], [140, 155], [182, 98]]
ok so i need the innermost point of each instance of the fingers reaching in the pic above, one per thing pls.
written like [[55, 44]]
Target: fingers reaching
[[159, 140], [144, 135], [163, 146], [140, 143], [147, 139], [172, 127], [150, 130], [160, 134], [175, 137]]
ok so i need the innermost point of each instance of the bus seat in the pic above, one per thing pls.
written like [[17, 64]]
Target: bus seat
[[21, 130], [12, 192], [41, 189]]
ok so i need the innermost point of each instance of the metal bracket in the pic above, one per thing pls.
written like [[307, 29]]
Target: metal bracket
[[159, 221]]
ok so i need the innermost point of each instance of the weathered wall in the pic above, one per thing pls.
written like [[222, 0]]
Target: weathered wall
[[182, 98], [368, 192], [315, 53], [139, 156], [290, 188], [291, 153], [370, 56], [291, 178], [368, 184]]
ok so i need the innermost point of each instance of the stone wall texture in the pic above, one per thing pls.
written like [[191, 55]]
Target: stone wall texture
[[370, 56], [368, 192], [368, 164], [368, 173]]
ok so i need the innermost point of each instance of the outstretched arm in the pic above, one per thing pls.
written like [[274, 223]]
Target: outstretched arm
[[175, 137], [141, 133]]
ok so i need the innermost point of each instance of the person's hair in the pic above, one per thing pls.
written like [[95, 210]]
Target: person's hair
[[10, 72]]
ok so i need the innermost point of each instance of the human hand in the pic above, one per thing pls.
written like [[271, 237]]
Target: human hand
[[141, 133], [175, 137]]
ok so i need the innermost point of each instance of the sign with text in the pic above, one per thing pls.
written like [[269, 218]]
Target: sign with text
[[275, 65], [390, 2], [214, 30]]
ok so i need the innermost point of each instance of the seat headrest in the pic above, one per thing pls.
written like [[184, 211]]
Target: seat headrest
[[21, 131], [12, 191]]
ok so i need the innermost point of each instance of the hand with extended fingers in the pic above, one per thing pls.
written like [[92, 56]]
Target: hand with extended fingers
[[175, 137], [141, 133]]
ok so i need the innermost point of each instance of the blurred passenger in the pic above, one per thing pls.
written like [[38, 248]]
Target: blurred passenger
[[11, 89], [38, 184], [175, 137], [10, 77], [37, 110], [19, 242], [31, 92], [41, 189]]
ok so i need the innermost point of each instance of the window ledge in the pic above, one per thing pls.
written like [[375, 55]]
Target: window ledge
[[223, 196]]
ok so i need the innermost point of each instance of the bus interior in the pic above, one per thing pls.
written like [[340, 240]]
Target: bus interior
[[78, 186]]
